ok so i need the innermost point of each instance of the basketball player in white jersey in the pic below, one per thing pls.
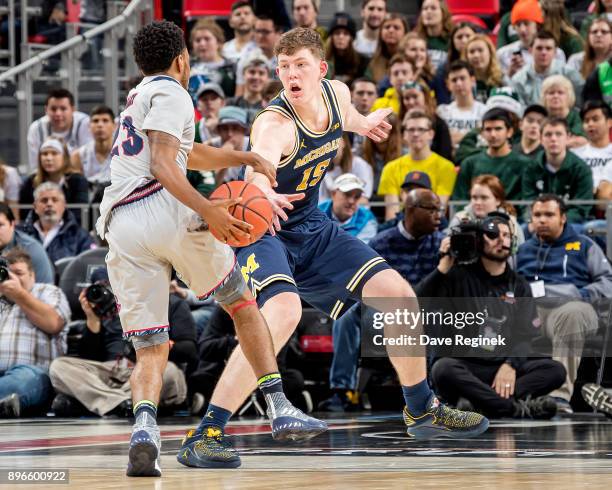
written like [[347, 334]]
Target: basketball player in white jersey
[[154, 221]]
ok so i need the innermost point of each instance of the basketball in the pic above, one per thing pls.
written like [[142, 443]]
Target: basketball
[[254, 209]]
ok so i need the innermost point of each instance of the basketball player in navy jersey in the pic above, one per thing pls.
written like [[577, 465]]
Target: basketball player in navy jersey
[[310, 257]]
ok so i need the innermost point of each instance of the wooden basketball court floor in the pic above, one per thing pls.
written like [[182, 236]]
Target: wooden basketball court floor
[[358, 452]]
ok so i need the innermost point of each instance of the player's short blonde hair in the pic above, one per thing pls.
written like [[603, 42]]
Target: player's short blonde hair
[[299, 38]]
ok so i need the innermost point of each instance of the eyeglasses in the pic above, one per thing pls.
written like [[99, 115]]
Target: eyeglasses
[[416, 130], [600, 31], [429, 209]]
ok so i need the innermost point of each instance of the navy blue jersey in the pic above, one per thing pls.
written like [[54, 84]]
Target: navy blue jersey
[[304, 168]]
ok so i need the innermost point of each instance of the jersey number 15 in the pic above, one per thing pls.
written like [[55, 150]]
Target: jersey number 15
[[315, 172]]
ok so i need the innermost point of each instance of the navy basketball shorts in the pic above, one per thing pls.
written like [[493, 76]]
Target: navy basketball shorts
[[316, 259]]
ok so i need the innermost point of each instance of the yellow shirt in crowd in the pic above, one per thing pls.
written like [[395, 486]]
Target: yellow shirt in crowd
[[440, 171]]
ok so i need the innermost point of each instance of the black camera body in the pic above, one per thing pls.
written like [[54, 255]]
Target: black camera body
[[102, 300], [467, 238], [4, 270]]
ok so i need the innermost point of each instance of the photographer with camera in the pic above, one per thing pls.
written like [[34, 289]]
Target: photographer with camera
[[98, 380], [32, 320], [474, 265]]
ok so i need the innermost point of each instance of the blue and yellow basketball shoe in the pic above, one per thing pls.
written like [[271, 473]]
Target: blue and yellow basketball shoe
[[209, 449], [441, 421]]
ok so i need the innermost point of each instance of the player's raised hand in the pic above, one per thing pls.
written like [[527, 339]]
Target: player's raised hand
[[262, 166], [217, 216], [377, 128], [280, 202]]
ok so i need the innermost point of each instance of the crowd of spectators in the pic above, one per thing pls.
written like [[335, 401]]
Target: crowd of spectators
[[522, 117]]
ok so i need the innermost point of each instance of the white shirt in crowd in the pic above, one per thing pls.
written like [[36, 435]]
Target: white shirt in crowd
[[9, 191], [360, 168], [363, 45], [229, 51], [599, 160], [158, 103], [460, 119], [40, 130], [93, 169]]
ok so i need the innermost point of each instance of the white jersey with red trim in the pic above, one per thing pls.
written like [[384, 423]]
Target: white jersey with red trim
[[158, 103]]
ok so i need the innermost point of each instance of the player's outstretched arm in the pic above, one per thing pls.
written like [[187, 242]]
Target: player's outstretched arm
[[164, 148], [273, 136], [206, 157], [374, 125]]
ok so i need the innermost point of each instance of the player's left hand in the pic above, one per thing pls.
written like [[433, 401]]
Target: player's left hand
[[504, 381], [280, 202], [377, 128], [262, 166], [11, 288]]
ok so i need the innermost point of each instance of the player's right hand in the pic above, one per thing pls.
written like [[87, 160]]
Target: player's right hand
[[280, 202], [216, 214]]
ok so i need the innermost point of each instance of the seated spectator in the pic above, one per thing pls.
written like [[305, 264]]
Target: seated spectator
[[305, 13], [479, 52], [526, 19], [242, 22], [531, 129], [597, 153], [414, 47], [500, 98], [435, 25], [93, 159], [392, 30], [55, 226], [11, 238], [215, 346], [210, 100], [10, 183], [267, 33], [209, 66], [511, 381], [574, 270], [598, 48], [528, 80], [558, 99], [344, 62], [411, 248], [33, 317], [601, 9], [459, 37], [417, 96], [233, 133], [464, 113], [401, 71], [558, 23], [418, 134], [378, 154], [345, 162], [558, 171], [256, 77], [373, 13], [344, 207], [61, 120], [498, 159], [487, 195], [363, 95], [54, 166], [98, 379]]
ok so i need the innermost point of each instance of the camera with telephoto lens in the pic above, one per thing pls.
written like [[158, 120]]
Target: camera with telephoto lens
[[4, 270], [101, 299], [467, 238]]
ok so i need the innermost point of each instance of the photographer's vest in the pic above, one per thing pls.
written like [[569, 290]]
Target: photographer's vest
[[604, 73]]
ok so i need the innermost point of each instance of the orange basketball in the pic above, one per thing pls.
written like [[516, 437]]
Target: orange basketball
[[254, 209]]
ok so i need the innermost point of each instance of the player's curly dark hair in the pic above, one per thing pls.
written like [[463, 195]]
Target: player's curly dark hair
[[156, 45]]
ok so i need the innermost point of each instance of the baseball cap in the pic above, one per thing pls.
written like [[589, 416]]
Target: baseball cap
[[256, 58], [417, 179], [210, 87], [536, 108], [348, 183], [233, 115], [342, 20]]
